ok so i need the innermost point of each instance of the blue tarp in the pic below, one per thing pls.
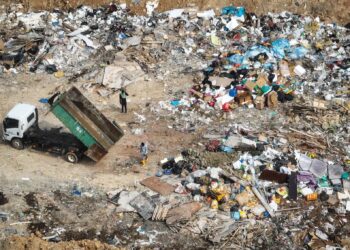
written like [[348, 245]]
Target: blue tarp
[[279, 46], [231, 10]]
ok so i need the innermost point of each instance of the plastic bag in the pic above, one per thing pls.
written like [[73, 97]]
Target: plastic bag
[[279, 46], [256, 50], [297, 53], [231, 10], [236, 59]]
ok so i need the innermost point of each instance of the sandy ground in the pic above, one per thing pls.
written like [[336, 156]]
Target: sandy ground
[[29, 169], [90, 223]]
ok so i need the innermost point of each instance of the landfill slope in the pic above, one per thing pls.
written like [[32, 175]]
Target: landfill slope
[[246, 120], [332, 11]]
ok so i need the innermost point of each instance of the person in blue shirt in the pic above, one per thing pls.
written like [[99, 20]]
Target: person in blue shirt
[[144, 153]]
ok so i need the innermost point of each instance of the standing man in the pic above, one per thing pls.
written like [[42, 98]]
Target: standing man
[[144, 153], [122, 99]]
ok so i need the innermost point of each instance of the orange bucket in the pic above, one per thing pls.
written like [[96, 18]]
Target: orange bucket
[[311, 197]]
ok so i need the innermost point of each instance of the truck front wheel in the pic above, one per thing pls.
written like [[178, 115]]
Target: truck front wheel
[[71, 157], [17, 143]]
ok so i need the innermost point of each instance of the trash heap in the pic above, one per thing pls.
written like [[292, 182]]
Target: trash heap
[[261, 62], [256, 60], [259, 185]]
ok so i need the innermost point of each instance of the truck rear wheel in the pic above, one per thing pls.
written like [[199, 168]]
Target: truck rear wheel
[[71, 157], [17, 143]]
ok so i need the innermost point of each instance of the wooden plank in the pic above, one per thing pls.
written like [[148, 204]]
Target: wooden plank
[[93, 130], [113, 131], [157, 185], [263, 201]]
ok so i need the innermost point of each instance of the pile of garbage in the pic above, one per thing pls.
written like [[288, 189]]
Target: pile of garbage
[[260, 186], [264, 58]]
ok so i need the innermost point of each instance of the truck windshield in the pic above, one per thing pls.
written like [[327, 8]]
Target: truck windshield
[[10, 123], [30, 118]]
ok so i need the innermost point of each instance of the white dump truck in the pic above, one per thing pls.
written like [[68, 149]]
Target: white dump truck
[[91, 133]]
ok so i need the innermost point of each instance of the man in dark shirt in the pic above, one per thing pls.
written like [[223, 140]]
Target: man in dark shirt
[[122, 99]]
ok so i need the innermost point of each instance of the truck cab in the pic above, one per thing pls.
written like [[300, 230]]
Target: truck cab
[[17, 122]]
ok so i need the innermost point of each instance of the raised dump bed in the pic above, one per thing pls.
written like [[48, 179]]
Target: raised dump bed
[[86, 122]]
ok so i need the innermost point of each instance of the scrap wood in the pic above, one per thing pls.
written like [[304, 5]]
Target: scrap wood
[[263, 201], [157, 185], [20, 223], [274, 176], [223, 230], [298, 139], [183, 212], [114, 203], [288, 209], [239, 242], [310, 144], [160, 212], [303, 133]]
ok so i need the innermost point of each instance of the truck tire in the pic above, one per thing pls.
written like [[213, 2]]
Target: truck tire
[[72, 157], [17, 143]]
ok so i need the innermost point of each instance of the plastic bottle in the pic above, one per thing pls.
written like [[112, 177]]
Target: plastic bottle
[[284, 68]]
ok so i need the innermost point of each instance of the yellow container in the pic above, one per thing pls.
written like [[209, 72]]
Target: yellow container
[[214, 204], [311, 197]]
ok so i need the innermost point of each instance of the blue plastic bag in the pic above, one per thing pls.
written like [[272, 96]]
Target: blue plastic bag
[[44, 100], [175, 103], [297, 52], [208, 69], [256, 50], [279, 46], [268, 66], [236, 59], [168, 172], [231, 10], [233, 92], [226, 149], [122, 36]]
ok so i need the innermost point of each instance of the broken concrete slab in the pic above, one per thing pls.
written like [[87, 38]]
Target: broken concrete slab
[[157, 185], [132, 41], [144, 205], [121, 74], [233, 141], [304, 162], [318, 168], [335, 171], [125, 197]]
